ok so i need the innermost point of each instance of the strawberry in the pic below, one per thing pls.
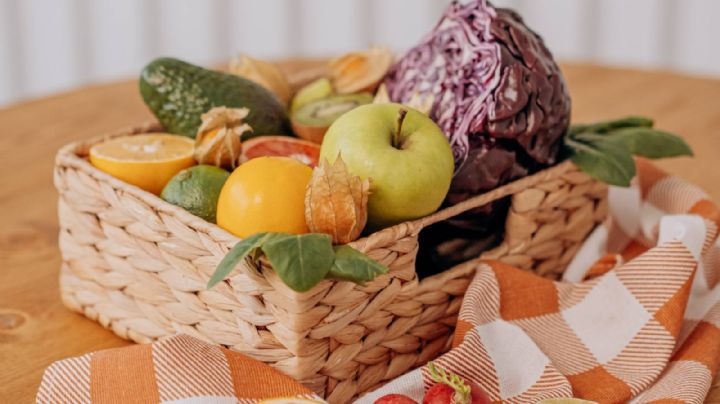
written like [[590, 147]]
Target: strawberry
[[477, 394], [452, 389], [442, 394], [395, 399]]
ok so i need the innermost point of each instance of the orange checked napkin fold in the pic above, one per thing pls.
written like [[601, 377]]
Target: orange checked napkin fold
[[637, 319]]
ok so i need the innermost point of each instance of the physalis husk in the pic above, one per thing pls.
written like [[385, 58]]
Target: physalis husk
[[218, 139], [336, 202]]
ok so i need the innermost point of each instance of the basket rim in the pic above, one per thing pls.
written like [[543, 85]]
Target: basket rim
[[70, 155]]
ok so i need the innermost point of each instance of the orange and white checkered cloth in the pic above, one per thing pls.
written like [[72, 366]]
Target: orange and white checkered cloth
[[179, 370], [637, 320]]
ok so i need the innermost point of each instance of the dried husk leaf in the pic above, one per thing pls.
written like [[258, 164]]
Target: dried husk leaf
[[336, 202], [382, 96], [264, 73], [360, 71], [421, 103], [218, 139]]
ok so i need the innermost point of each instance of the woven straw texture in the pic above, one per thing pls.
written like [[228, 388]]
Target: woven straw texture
[[140, 266]]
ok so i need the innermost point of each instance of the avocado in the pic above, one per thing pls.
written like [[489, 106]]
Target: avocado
[[178, 93]]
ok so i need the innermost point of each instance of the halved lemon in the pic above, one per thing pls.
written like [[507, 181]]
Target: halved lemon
[[147, 161]]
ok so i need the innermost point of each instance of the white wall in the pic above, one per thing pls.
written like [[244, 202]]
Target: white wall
[[48, 46]]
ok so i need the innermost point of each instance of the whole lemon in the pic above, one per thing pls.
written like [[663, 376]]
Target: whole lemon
[[265, 194]]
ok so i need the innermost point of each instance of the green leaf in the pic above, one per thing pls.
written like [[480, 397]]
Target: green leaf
[[237, 254], [652, 143], [603, 158], [354, 266], [301, 261], [607, 126]]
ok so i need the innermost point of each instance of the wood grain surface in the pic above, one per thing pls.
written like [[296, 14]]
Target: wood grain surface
[[35, 329]]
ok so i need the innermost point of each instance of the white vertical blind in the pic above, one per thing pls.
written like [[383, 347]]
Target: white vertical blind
[[402, 23], [262, 28], [48, 46], [9, 44], [329, 26], [697, 44], [640, 26], [115, 39], [568, 26], [190, 29]]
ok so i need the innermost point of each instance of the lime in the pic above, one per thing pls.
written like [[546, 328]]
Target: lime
[[196, 189]]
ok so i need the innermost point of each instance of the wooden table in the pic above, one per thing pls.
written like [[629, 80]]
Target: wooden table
[[35, 329]]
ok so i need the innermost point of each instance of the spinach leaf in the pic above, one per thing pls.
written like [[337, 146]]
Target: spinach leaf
[[238, 253], [608, 161], [607, 126], [605, 149], [352, 265], [300, 260], [651, 143]]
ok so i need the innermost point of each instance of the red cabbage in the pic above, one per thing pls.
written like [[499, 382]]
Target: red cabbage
[[497, 94], [501, 100]]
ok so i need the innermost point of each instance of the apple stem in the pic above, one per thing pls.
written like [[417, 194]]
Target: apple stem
[[400, 119]]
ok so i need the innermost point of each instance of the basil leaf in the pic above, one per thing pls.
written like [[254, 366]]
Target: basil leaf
[[354, 266], [301, 261], [606, 159], [235, 255], [607, 126], [652, 143], [605, 149]]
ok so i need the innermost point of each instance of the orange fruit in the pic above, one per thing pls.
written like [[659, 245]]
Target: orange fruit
[[265, 194], [147, 161]]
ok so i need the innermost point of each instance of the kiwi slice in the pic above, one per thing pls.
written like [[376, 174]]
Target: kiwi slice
[[313, 91], [312, 120]]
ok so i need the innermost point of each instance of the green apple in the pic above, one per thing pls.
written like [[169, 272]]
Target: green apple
[[404, 154]]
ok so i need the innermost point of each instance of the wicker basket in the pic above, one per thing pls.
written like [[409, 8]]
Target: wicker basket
[[140, 266]]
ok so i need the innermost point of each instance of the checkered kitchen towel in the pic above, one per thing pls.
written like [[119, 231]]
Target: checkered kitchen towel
[[179, 370], [641, 325]]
